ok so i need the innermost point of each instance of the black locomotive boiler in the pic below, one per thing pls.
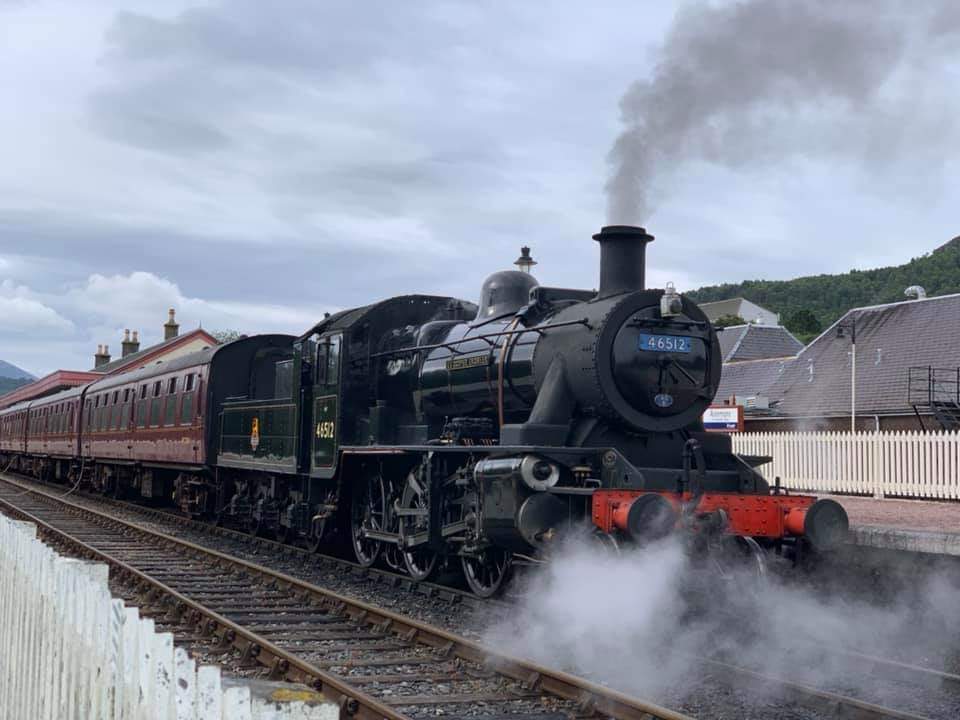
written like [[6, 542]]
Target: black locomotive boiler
[[429, 431]]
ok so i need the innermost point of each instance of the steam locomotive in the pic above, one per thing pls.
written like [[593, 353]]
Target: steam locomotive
[[428, 431]]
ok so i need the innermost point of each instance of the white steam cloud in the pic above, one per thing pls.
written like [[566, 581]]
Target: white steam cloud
[[743, 83], [641, 621]]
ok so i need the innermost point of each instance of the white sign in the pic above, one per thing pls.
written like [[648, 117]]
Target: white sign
[[724, 418]]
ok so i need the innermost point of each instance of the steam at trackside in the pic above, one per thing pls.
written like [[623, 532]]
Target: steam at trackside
[[640, 620]]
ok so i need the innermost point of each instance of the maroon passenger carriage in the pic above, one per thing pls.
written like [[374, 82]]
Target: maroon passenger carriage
[[150, 431]]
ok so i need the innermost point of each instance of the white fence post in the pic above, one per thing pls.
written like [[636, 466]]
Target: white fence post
[[69, 651], [905, 464]]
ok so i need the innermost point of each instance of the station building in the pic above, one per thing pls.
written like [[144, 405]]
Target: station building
[[132, 357]]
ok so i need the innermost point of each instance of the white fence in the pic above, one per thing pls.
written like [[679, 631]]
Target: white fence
[[908, 464], [70, 651]]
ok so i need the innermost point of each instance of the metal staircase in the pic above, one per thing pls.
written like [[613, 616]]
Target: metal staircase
[[935, 391]]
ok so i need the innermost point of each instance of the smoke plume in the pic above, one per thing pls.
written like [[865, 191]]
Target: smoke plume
[[742, 83]]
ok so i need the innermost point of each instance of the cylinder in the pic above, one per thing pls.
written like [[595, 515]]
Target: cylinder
[[623, 251]]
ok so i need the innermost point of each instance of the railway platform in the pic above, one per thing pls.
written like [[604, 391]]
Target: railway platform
[[921, 526]]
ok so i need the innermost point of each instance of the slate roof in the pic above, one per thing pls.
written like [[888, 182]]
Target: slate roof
[[750, 378], [890, 339], [756, 342]]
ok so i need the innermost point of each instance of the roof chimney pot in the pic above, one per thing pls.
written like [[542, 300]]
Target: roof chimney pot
[[102, 357], [171, 329], [129, 346]]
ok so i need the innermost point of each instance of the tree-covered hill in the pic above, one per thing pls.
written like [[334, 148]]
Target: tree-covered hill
[[827, 297], [10, 384]]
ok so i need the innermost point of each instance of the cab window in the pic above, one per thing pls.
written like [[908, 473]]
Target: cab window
[[328, 360]]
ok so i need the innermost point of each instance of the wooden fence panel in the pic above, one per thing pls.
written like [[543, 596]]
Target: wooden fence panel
[[902, 464]]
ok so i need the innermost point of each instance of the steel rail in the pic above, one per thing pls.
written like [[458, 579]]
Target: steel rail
[[281, 663], [917, 674], [591, 697], [808, 696], [559, 683]]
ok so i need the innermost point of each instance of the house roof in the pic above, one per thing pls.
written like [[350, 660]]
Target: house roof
[[891, 339], [132, 360], [751, 378], [756, 342]]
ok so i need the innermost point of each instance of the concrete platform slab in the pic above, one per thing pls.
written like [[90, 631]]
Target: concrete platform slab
[[922, 526]]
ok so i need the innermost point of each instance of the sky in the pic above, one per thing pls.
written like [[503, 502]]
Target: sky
[[256, 164]]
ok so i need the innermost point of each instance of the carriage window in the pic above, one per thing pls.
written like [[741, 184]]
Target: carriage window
[[170, 413], [156, 388], [188, 383], [186, 408], [143, 391]]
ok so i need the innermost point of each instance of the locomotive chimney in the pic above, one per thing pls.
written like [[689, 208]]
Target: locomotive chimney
[[623, 250]]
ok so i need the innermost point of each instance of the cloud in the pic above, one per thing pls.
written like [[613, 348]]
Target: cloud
[[271, 162], [22, 314], [139, 300]]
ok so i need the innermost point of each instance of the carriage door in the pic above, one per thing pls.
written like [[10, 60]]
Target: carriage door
[[326, 404]]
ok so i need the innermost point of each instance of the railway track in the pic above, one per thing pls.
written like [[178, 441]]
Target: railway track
[[378, 663]]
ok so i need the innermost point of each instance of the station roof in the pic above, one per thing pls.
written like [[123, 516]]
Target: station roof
[[55, 382], [891, 339], [751, 377], [757, 342]]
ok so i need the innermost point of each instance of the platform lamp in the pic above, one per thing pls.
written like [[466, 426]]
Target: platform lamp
[[842, 328]]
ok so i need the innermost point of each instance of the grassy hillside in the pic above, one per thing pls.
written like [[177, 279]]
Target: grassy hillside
[[827, 297]]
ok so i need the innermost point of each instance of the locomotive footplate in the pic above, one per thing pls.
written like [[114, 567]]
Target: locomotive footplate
[[638, 516]]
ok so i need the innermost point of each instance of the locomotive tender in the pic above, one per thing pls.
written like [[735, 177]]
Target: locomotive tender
[[429, 429]]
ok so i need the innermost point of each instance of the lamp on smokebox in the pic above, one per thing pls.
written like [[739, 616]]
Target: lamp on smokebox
[[842, 329], [525, 263]]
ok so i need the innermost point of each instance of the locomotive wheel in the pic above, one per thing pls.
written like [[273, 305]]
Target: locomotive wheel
[[487, 574], [368, 512], [421, 562]]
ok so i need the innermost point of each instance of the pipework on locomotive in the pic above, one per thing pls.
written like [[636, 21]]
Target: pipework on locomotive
[[424, 430]]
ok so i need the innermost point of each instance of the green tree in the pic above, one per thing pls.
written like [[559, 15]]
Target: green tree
[[728, 321], [803, 322]]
